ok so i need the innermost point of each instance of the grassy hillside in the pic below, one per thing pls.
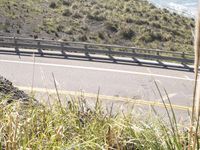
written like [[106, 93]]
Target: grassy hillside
[[124, 22]]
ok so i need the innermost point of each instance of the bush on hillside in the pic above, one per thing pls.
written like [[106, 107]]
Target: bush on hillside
[[67, 2], [127, 33], [67, 12], [111, 26], [53, 5]]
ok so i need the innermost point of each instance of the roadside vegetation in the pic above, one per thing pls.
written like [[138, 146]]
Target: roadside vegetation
[[124, 22], [27, 125]]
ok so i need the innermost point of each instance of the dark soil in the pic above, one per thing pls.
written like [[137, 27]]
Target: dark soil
[[10, 93]]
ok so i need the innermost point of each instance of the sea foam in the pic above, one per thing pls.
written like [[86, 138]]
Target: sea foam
[[185, 7]]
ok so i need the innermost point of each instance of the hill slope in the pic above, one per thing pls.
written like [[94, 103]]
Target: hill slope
[[124, 22]]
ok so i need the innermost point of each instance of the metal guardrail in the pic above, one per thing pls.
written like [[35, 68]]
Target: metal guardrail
[[103, 49]]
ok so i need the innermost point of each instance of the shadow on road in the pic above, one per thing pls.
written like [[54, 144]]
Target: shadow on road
[[97, 58]]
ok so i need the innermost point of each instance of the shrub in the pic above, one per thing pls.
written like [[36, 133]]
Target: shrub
[[146, 38], [53, 5], [70, 30], [96, 17], [85, 27], [129, 20], [141, 22], [156, 36], [113, 27], [174, 31], [67, 2], [165, 18], [127, 33], [60, 28], [77, 15], [101, 35], [166, 37], [67, 12], [74, 6], [155, 24], [127, 10], [83, 38]]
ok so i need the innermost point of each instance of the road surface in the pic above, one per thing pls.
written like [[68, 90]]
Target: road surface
[[116, 80]]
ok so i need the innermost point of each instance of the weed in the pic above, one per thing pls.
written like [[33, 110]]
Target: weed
[[67, 12]]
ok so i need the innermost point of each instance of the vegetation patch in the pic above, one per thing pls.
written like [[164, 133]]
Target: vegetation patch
[[127, 33], [75, 125], [131, 23]]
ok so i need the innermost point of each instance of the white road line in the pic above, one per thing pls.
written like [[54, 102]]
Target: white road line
[[165, 97], [187, 77], [97, 69]]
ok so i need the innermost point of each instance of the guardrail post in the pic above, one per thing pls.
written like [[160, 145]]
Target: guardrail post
[[158, 54], [110, 54], [62, 47], [183, 55], [86, 50], [62, 50], [39, 48], [38, 43], [109, 51], [133, 57], [16, 46]]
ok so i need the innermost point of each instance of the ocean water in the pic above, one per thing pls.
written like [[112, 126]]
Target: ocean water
[[186, 7]]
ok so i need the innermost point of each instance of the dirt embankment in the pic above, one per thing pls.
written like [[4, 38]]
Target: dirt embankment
[[10, 93]]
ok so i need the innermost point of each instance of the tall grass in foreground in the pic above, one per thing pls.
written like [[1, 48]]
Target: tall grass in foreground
[[76, 126], [195, 118]]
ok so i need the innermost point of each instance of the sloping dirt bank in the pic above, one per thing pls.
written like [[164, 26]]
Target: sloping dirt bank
[[10, 93]]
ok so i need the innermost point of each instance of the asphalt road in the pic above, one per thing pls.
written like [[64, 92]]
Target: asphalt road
[[118, 80]]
